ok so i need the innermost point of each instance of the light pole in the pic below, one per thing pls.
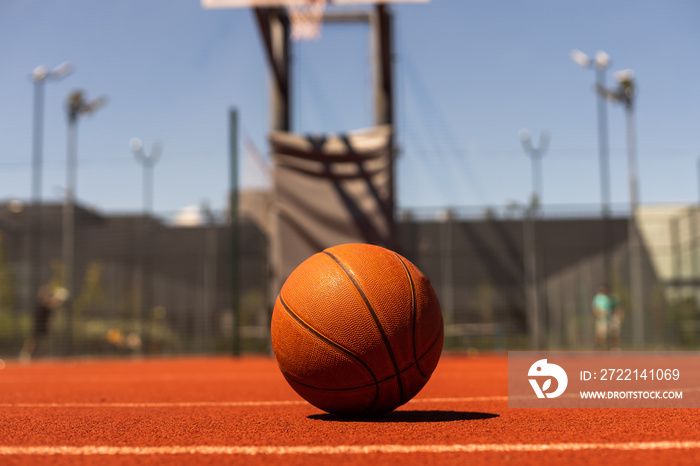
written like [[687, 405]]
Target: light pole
[[39, 76], [535, 154], [625, 94], [148, 163], [76, 106], [530, 233], [600, 64], [210, 294]]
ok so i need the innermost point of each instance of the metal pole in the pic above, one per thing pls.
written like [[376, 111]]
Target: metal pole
[[603, 145], [603, 149], [37, 140], [636, 277], [384, 102], [147, 276], [148, 163], [35, 211], [210, 279], [145, 320], [529, 246], [632, 157], [626, 94], [280, 56], [76, 106], [536, 179], [447, 298], [530, 231], [275, 28], [535, 157], [600, 64], [68, 246], [233, 215], [147, 187], [39, 76]]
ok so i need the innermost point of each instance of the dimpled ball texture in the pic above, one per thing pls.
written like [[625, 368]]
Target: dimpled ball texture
[[357, 330]]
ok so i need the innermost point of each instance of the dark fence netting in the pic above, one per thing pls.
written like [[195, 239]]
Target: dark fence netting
[[163, 284]]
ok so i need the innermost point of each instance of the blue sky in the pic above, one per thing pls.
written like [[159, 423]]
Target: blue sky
[[469, 74]]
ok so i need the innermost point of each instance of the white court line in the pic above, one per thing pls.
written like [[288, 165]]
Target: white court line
[[223, 404], [176, 404], [340, 449]]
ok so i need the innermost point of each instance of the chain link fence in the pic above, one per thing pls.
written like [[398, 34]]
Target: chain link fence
[[506, 278], [143, 285], [524, 278]]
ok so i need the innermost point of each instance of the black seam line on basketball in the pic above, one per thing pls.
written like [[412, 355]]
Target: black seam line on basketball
[[330, 342], [379, 382], [414, 311], [326, 389], [376, 321]]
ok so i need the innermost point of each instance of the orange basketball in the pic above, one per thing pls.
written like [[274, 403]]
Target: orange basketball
[[357, 330]]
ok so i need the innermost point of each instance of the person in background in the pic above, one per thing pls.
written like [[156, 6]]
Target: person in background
[[608, 319], [46, 302]]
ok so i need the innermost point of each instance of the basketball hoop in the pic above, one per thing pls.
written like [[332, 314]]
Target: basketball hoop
[[306, 17]]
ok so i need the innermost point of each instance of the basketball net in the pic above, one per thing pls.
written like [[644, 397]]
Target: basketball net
[[306, 17]]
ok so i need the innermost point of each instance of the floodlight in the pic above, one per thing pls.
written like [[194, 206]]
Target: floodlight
[[135, 144], [602, 59], [580, 58], [62, 70], [39, 73], [624, 76]]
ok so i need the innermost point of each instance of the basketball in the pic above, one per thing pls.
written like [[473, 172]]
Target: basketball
[[357, 330]]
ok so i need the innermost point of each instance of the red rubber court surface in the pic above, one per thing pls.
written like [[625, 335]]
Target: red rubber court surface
[[241, 411]]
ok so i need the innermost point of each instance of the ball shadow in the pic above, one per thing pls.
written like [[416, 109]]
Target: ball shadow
[[408, 416]]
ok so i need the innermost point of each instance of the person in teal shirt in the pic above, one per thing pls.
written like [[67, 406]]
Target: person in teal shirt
[[608, 319]]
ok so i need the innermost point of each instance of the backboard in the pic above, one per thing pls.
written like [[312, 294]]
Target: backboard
[[271, 3], [305, 16]]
